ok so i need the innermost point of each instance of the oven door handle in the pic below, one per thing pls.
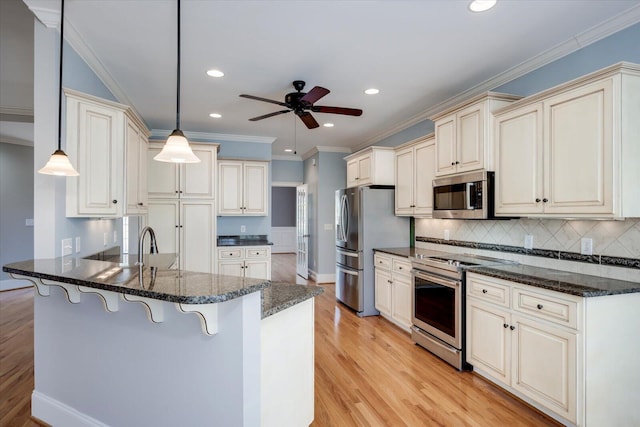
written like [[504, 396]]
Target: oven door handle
[[444, 282]]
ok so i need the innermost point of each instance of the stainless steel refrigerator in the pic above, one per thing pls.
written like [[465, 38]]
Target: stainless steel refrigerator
[[365, 220]]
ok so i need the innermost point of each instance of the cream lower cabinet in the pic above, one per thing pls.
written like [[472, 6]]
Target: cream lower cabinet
[[245, 261], [393, 288], [571, 150], [243, 188], [187, 228], [566, 355], [415, 170]]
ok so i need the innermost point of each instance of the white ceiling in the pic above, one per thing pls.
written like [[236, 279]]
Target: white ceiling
[[418, 53]]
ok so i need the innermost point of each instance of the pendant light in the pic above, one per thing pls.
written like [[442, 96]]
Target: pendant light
[[177, 149], [59, 163]]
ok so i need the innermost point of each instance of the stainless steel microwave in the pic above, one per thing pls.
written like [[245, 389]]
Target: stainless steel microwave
[[464, 196]]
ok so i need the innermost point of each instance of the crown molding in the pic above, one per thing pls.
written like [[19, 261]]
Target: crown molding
[[598, 32], [214, 137], [11, 114], [290, 158], [285, 184], [47, 15], [324, 149]]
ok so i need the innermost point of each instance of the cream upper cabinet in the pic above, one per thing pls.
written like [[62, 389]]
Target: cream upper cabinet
[[415, 170], [243, 188], [464, 134], [189, 180], [572, 150], [105, 142], [371, 166]]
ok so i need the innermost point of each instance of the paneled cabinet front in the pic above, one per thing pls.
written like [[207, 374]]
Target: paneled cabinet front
[[105, 142], [371, 166], [245, 261], [415, 170], [393, 288], [243, 188]]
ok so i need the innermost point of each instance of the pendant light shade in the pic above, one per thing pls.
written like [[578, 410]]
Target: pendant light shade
[[177, 149], [59, 163]]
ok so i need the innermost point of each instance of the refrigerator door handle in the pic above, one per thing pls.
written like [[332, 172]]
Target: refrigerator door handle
[[344, 270], [351, 254], [345, 222]]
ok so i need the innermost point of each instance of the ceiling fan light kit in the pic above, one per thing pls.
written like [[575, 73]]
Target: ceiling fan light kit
[[301, 103], [177, 149], [59, 163]]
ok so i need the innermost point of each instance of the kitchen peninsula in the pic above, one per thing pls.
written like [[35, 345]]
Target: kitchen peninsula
[[121, 344]]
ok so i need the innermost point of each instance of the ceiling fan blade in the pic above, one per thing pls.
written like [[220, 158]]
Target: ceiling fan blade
[[257, 98], [266, 116], [308, 120], [314, 94], [336, 110]]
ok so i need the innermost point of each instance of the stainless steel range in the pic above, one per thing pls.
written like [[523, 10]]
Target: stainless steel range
[[439, 301]]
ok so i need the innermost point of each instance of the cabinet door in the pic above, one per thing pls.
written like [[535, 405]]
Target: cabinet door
[[136, 170], [162, 177], [401, 309], [446, 145], [352, 173], [255, 189], [197, 235], [470, 134], [230, 188], [519, 165], [579, 150], [489, 340], [365, 170], [424, 172], [231, 268], [163, 217], [545, 365], [383, 291], [404, 182], [95, 141], [197, 180], [257, 269]]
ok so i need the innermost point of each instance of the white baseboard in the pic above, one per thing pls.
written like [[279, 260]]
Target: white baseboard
[[9, 284], [56, 413], [322, 278]]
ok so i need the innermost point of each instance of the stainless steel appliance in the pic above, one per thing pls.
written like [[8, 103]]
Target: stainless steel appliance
[[439, 302], [465, 196], [364, 219]]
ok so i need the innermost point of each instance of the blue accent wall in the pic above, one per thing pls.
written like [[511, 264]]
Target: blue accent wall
[[287, 171]]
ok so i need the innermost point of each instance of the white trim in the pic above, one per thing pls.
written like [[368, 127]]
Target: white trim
[[289, 158], [285, 184], [10, 284], [215, 137], [56, 413], [50, 17], [322, 278], [13, 111], [325, 149]]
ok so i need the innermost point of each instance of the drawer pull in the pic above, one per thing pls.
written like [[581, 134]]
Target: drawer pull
[[484, 291], [505, 326], [512, 327], [540, 306]]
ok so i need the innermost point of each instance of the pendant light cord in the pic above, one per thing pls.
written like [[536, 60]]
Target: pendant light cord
[[60, 79], [178, 80]]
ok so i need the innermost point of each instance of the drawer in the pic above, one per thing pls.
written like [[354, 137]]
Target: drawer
[[488, 289], [382, 261], [401, 266], [230, 253], [256, 253], [546, 306]]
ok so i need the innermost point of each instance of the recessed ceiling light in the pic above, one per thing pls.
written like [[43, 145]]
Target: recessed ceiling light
[[328, 125], [372, 91], [215, 73], [481, 5], [288, 150], [215, 115]]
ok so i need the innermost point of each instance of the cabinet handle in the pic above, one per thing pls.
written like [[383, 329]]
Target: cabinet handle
[[537, 200], [457, 162], [140, 204], [505, 325], [176, 191], [399, 268], [545, 200], [539, 306], [453, 164], [114, 201], [180, 191], [484, 291], [512, 327]]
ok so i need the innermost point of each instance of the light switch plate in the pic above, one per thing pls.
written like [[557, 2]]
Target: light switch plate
[[105, 239], [586, 246], [446, 234], [528, 241], [115, 236], [67, 247], [243, 228], [77, 245]]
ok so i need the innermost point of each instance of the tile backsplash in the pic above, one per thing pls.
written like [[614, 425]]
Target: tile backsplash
[[612, 238]]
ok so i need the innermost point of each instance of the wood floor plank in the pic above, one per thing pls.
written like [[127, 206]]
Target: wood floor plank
[[368, 372]]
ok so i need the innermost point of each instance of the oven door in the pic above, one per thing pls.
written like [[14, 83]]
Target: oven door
[[437, 306]]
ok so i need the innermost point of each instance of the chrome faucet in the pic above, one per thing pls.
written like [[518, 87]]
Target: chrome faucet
[[154, 246]]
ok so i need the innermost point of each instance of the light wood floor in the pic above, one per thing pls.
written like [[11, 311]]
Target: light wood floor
[[368, 372]]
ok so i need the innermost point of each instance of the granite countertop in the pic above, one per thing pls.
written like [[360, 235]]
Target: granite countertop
[[280, 296], [409, 252], [155, 280], [244, 240], [582, 285]]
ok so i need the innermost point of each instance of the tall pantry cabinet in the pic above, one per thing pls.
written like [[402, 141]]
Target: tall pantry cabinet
[[182, 207]]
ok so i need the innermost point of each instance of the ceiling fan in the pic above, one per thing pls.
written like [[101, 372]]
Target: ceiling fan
[[301, 103]]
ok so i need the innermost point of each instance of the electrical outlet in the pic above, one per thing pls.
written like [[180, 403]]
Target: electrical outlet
[[105, 239], [66, 247], [528, 241], [77, 245], [328, 226], [446, 234], [586, 246], [28, 222], [243, 229]]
